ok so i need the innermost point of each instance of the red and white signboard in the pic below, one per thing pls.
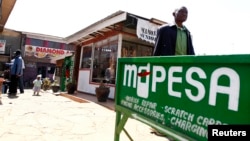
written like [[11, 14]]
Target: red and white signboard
[[47, 53]]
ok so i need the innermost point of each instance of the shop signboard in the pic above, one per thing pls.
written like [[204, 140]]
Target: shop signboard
[[46, 52], [146, 30], [181, 95]]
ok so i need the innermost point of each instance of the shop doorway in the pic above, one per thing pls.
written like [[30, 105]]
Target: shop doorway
[[42, 71]]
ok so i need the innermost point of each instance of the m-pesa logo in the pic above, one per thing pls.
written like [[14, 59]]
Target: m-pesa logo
[[139, 77]]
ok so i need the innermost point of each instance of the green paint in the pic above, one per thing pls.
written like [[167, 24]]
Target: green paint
[[185, 93]]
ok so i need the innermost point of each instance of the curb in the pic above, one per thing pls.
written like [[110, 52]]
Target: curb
[[74, 98]]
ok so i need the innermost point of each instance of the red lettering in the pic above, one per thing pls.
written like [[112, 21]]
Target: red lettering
[[44, 50], [37, 49], [50, 50]]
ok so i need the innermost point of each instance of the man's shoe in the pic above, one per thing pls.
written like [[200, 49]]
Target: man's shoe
[[11, 94]]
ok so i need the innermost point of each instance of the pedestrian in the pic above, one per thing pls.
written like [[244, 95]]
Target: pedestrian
[[16, 71], [174, 39], [20, 82], [37, 85]]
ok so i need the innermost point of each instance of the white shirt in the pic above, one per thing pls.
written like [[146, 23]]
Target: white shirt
[[37, 83]]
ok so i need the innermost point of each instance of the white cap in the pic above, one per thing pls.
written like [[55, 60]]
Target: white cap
[[39, 75]]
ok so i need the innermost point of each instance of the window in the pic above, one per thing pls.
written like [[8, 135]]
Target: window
[[130, 49], [86, 57], [105, 58]]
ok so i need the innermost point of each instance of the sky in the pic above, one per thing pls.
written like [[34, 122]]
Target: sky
[[218, 27]]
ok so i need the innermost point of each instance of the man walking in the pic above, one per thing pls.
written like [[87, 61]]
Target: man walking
[[174, 39]]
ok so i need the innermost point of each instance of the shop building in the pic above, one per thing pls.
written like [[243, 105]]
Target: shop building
[[99, 45], [10, 41], [44, 55], [89, 56]]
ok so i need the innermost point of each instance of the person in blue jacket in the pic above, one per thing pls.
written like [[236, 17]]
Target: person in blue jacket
[[174, 39], [16, 72], [20, 81]]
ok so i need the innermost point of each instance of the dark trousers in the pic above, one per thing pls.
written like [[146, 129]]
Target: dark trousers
[[20, 84], [13, 84]]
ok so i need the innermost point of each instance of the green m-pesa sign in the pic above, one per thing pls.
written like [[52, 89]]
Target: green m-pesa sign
[[181, 95]]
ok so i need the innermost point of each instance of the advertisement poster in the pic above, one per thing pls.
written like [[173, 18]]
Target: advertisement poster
[[46, 53]]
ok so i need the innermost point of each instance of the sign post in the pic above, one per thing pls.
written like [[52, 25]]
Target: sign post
[[181, 95]]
